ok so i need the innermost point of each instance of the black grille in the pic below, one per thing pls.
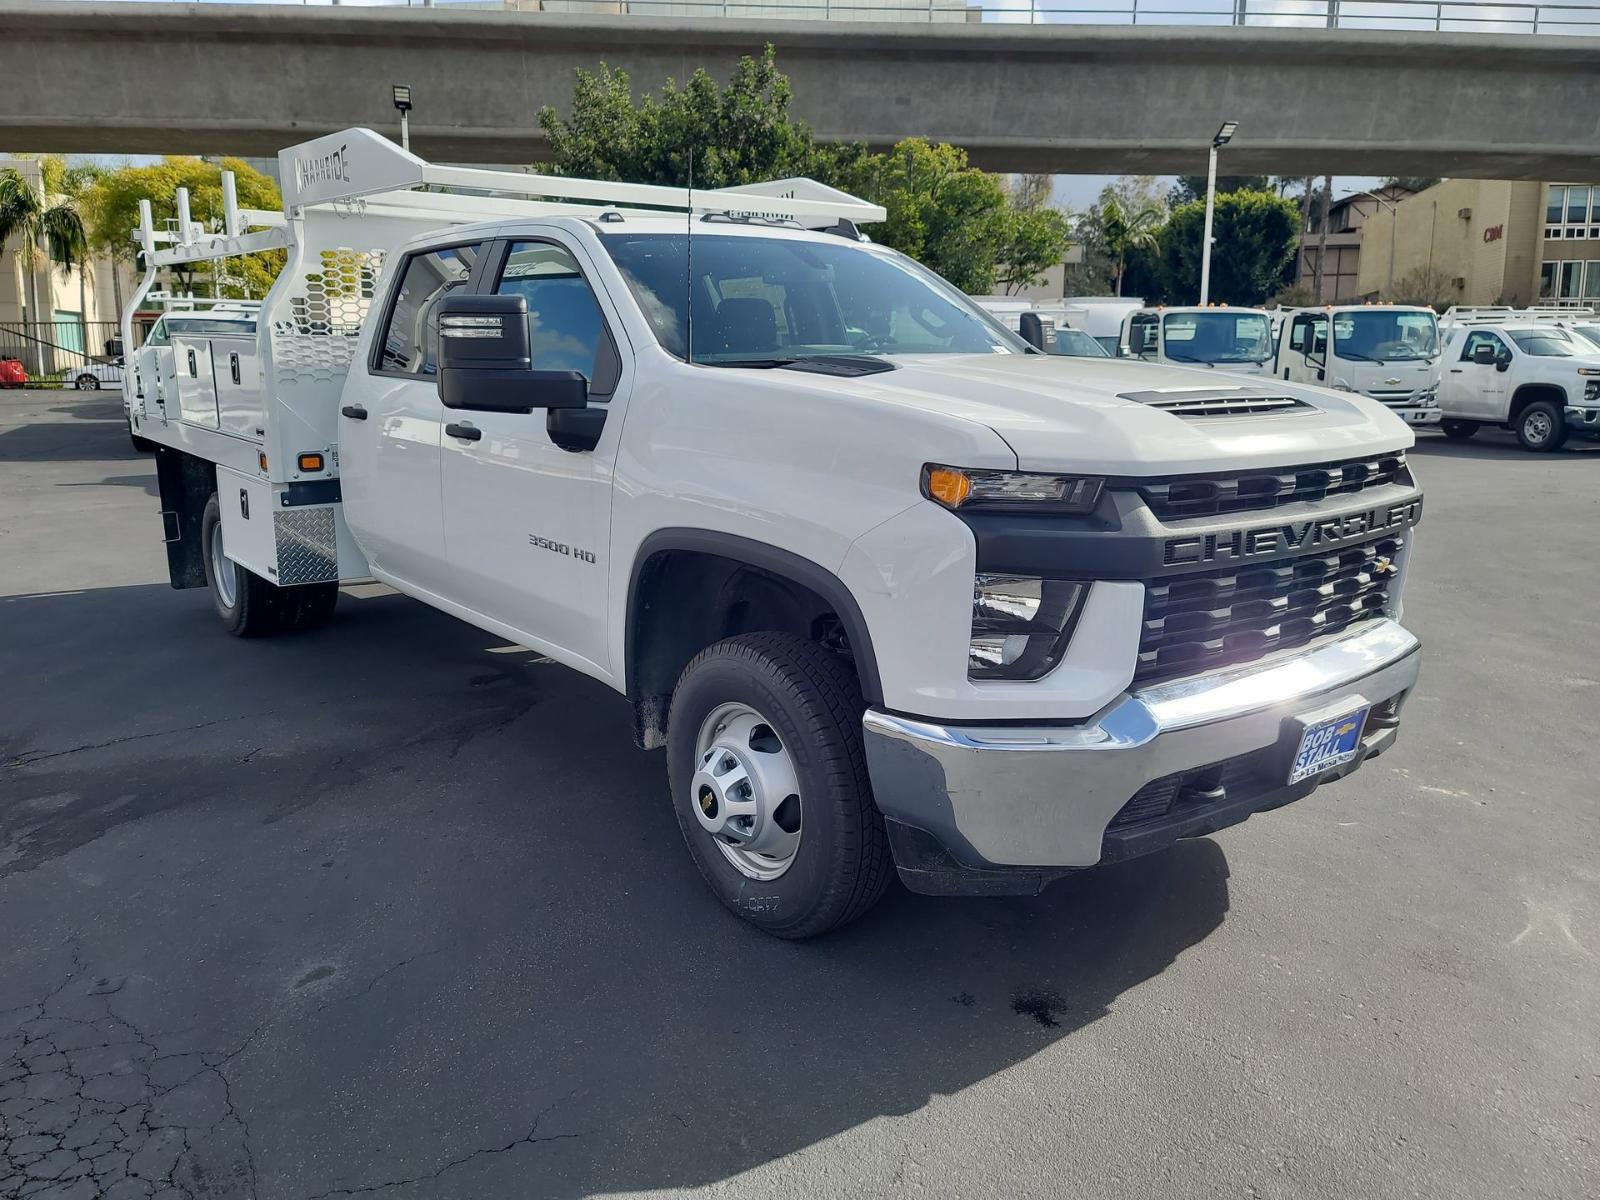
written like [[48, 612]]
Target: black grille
[[1217, 618], [1241, 491], [1194, 790]]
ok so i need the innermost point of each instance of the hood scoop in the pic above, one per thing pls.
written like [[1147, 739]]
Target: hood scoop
[[1214, 402]]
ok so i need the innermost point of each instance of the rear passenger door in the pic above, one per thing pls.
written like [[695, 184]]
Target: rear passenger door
[[391, 421], [527, 521]]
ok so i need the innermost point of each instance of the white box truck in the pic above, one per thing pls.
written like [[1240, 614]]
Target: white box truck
[[1220, 337], [896, 593], [1389, 352]]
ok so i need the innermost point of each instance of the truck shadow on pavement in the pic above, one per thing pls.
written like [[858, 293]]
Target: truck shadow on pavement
[[381, 909], [97, 431]]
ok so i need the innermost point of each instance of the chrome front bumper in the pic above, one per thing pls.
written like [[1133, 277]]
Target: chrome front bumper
[[1043, 797]]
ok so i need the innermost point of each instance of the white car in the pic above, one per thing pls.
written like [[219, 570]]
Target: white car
[[1541, 381], [96, 376]]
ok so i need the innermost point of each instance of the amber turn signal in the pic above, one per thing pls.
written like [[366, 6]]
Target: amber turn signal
[[311, 462]]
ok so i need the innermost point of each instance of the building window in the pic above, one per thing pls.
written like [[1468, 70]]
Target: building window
[[1572, 211], [1571, 273], [1591, 281]]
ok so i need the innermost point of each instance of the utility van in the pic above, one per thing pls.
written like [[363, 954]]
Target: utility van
[[1388, 352], [895, 593], [1536, 378], [1238, 340], [1101, 318]]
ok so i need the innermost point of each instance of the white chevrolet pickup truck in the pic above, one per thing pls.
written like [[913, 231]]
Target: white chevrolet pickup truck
[[896, 593]]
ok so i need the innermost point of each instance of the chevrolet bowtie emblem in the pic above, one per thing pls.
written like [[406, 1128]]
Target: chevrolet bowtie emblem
[[1384, 566], [1393, 379]]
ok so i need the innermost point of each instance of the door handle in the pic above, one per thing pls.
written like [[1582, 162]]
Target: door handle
[[467, 433], [355, 412], [233, 367], [1455, 370]]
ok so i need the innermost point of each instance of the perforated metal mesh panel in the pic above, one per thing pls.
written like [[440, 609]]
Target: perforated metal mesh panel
[[307, 546], [315, 345]]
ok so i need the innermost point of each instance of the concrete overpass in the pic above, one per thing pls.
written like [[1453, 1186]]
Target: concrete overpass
[[250, 79]]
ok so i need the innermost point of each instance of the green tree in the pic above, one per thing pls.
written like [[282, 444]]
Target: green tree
[[48, 229], [741, 133], [1193, 187], [1125, 230], [958, 220], [112, 203], [1253, 255], [1417, 183]]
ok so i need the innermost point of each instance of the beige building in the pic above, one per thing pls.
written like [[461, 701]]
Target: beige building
[[1491, 241]]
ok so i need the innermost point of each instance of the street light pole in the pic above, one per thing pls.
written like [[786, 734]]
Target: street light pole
[[1224, 135]]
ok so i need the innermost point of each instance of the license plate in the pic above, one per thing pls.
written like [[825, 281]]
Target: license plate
[[1328, 743]]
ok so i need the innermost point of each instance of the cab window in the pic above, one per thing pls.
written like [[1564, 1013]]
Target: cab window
[[1480, 337], [410, 343], [566, 329], [158, 334], [1147, 323]]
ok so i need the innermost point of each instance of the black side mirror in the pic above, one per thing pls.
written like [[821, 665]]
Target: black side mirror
[[1136, 340], [1036, 331], [486, 361], [1483, 355]]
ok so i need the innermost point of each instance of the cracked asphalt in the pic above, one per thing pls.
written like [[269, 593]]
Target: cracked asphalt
[[393, 910]]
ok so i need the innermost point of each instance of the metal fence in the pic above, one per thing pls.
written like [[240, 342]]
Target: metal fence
[[1439, 16], [71, 354]]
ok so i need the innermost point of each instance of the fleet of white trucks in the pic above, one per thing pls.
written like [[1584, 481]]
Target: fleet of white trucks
[[897, 593]]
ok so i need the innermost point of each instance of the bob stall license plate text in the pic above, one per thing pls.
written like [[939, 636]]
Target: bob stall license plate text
[[1328, 743]]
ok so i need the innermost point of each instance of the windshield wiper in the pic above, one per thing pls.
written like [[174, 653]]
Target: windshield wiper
[[1357, 355], [1187, 358]]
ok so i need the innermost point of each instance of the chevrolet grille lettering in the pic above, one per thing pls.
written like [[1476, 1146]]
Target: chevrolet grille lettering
[[1296, 535]]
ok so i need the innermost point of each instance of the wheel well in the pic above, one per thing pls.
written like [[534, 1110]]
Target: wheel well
[[186, 483], [684, 599], [1531, 393]]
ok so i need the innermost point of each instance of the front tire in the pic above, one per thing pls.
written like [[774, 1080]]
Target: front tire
[[769, 781], [1458, 431], [87, 383], [1541, 427]]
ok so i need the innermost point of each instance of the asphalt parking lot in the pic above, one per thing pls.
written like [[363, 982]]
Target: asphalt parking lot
[[390, 909]]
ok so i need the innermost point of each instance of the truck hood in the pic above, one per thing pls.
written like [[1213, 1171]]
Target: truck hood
[[1072, 414]]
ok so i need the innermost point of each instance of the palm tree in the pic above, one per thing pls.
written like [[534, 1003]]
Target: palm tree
[[53, 233], [1124, 231]]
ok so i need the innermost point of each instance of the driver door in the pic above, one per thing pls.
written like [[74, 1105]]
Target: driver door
[[528, 520], [1473, 389]]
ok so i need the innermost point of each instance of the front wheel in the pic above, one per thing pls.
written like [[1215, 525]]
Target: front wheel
[[1541, 427], [1458, 431], [87, 383], [769, 782]]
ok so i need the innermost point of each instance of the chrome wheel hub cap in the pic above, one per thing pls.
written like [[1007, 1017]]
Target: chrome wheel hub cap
[[746, 791], [1538, 426]]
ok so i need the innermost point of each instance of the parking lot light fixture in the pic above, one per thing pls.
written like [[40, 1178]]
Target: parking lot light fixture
[[1222, 138], [402, 102]]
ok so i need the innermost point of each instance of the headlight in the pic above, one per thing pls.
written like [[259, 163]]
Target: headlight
[[1021, 625], [1027, 491]]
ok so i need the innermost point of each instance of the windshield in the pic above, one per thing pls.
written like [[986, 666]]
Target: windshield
[[1075, 343], [1385, 335], [1217, 337], [1544, 343], [1589, 333], [761, 299]]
